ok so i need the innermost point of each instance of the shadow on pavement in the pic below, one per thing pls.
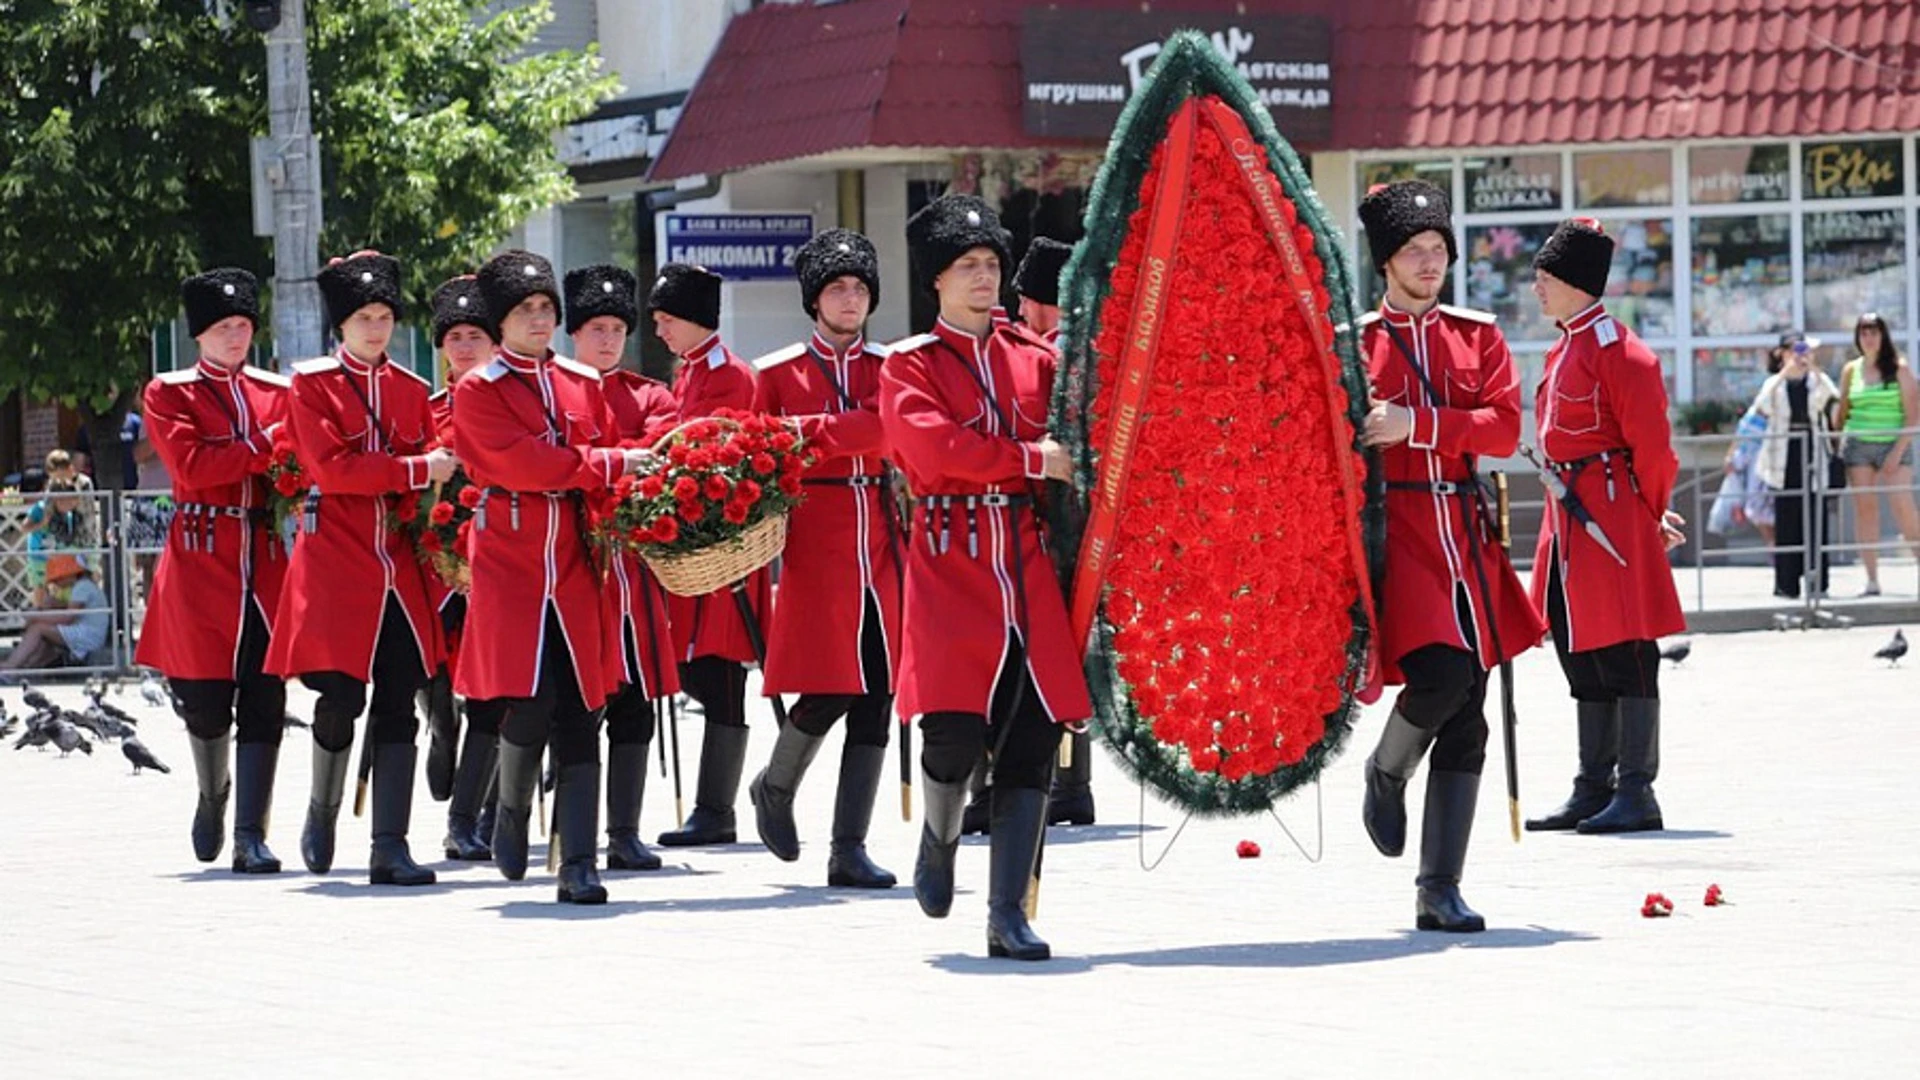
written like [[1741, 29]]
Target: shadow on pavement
[[1672, 834], [788, 896], [1281, 954], [355, 885], [550, 909]]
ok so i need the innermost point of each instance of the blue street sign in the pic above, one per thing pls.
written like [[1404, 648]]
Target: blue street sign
[[739, 247]]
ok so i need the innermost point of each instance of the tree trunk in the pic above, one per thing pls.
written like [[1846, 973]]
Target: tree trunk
[[103, 435]]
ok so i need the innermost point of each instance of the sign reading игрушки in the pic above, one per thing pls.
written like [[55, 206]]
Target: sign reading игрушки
[[738, 247], [1078, 67]]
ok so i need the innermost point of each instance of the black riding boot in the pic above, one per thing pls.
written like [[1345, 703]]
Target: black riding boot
[[1593, 784], [252, 806], [479, 756], [1448, 825], [519, 772], [723, 754], [1384, 810], [443, 731], [939, 844], [392, 863], [773, 790], [974, 821], [1072, 800], [210, 767], [323, 806], [1019, 818], [848, 866], [626, 789], [576, 798], [1634, 808]]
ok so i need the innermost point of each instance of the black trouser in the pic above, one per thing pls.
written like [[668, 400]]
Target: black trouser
[[1027, 738], [869, 715], [482, 716], [1791, 528], [720, 686], [557, 711], [258, 701], [399, 672], [630, 713], [1627, 669], [1446, 694]]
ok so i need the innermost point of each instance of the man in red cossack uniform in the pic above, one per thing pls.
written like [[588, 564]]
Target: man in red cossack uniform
[[534, 430], [602, 310], [462, 333], [837, 625], [1602, 415], [356, 612], [1037, 285], [210, 615], [987, 661], [709, 637], [1450, 606]]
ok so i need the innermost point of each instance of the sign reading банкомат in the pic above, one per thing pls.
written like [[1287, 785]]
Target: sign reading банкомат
[[1079, 66]]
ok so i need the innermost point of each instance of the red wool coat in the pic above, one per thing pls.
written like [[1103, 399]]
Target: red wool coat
[[842, 547], [1602, 393], [362, 434], [946, 400], [712, 378], [643, 652], [529, 543], [1432, 536], [213, 430]]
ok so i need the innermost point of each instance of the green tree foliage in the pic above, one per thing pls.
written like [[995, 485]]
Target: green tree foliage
[[124, 128]]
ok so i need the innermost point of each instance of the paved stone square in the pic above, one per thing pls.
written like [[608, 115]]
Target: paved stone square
[[1789, 770]]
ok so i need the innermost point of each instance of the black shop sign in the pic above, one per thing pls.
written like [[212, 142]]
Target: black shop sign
[[1078, 67]]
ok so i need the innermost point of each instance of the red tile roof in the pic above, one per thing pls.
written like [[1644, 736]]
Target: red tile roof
[[792, 81]]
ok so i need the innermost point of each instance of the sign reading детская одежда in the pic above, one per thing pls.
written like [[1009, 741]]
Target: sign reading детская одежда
[[738, 247], [1078, 67]]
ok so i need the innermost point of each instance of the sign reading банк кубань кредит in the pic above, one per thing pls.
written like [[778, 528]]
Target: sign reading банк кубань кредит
[[738, 247], [1078, 67]]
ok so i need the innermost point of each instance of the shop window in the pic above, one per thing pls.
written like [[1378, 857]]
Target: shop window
[[1742, 274], [1640, 285], [1739, 174], [1855, 262], [1519, 182], [1500, 278], [1623, 178], [1851, 170], [1438, 173], [1730, 375]]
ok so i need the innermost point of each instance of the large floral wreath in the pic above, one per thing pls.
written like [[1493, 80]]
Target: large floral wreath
[[1235, 626]]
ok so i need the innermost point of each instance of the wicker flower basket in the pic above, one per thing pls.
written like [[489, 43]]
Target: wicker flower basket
[[698, 573]]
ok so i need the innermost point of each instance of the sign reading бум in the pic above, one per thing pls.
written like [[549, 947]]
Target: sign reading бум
[[738, 247], [1079, 67]]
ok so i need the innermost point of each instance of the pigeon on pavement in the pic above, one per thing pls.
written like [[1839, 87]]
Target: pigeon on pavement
[[142, 758], [1893, 650]]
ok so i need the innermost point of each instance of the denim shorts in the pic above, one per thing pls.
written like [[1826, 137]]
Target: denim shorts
[[1872, 455]]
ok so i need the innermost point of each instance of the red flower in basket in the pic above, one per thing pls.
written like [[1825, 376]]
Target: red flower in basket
[[286, 480], [706, 493]]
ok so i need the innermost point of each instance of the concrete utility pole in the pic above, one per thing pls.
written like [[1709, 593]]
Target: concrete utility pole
[[293, 171]]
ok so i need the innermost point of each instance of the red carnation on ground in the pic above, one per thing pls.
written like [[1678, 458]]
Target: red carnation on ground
[[1247, 849], [1656, 906], [1715, 898]]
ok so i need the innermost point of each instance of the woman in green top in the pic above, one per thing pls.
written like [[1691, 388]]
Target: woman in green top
[[1879, 406]]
